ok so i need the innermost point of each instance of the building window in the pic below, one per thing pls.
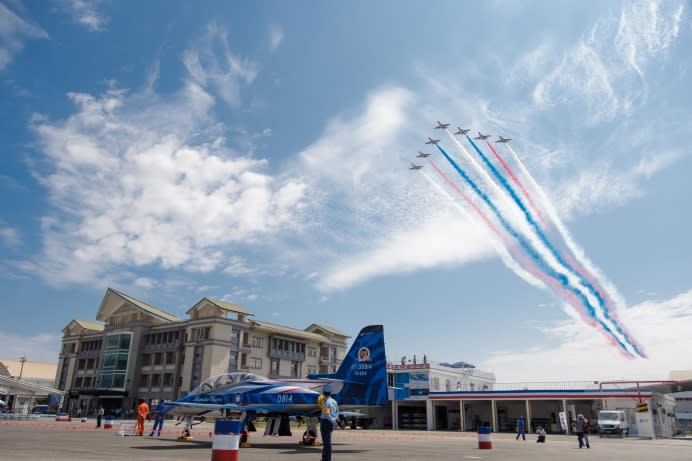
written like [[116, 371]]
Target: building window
[[90, 364], [158, 358], [312, 370], [295, 369], [144, 381], [155, 380], [312, 351], [146, 359], [81, 363], [255, 363], [258, 342], [78, 383], [87, 382], [275, 367], [201, 334], [170, 358], [115, 359], [168, 380]]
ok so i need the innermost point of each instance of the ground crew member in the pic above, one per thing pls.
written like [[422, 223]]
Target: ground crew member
[[142, 412], [158, 419], [329, 413]]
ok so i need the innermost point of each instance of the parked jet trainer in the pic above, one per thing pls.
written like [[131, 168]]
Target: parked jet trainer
[[360, 381]]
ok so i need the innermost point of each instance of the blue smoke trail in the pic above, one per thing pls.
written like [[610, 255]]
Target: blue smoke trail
[[541, 235], [562, 279]]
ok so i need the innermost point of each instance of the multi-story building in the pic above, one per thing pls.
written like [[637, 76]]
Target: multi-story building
[[136, 350]]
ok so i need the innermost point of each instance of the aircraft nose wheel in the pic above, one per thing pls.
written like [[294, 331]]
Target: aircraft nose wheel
[[309, 437]]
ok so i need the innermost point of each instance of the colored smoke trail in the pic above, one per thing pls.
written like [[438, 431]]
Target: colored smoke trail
[[548, 271], [519, 184], [600, 311], [582, 262], [528, 276]]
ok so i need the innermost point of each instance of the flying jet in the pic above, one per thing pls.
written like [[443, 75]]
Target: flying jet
[[482, 136], [432, 141], [422, 155], [441, 126], [501, 139], [360, 381], [415, 167], [461, 131]]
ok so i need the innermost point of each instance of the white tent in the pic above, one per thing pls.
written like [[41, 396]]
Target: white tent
[[2, 402]]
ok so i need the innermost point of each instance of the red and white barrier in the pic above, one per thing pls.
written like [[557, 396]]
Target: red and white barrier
[[225, 440], [484, 441]]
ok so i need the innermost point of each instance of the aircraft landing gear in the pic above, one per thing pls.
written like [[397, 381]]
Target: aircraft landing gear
[[310, 434]]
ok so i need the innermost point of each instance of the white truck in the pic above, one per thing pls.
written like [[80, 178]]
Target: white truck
[[613, 422]]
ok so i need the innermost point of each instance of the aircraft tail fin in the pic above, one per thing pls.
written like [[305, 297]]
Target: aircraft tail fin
[[364, 370]]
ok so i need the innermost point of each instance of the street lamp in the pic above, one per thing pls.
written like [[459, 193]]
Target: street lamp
[[22, 359]]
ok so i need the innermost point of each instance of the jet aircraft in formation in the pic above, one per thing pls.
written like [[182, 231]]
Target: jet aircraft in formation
[[422, 155], [415, 167], [501, 139], [482, 136], [432, 141], [441, 126], [461, 131]]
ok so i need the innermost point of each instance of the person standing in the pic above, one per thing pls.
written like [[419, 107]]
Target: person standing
[[329, 413], [99, 415], [581, 427], [158, 419], [142, 412], [521, 428]]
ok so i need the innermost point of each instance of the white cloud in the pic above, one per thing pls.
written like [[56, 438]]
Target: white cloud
[[435, 242], [603, 186], [276, 36], [10, 236], [14, 31], [137, 180], [42, 347], [661, 328], [86, 13], [212, 65], [598, 70], [146, 282]]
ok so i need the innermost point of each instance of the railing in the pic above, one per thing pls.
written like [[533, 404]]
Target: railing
[[277, 354], [545, 386]]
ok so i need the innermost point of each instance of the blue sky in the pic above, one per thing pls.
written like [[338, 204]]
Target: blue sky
[[258, 153]]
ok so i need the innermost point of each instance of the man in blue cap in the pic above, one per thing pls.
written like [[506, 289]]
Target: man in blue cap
[[329, 413]]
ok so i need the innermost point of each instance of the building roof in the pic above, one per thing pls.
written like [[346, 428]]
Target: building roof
[[221, 305], [31, 370], [106, 309], [288, 331], [328, 329], [96, 326]]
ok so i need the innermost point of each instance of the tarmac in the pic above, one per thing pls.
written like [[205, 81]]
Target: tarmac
[[63, 441]]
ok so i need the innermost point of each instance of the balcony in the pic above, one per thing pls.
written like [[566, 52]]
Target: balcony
[[277, 354]]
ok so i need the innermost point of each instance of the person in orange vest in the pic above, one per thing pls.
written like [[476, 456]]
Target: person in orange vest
[[142, 412]]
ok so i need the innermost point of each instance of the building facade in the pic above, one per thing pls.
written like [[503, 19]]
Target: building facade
[[136, 350]]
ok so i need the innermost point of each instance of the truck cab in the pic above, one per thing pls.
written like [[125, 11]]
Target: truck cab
[[612, 422]]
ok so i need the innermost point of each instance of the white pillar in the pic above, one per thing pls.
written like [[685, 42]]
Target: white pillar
[[462, 416], [395, 415], [429, 415], [528, 416], [493, 410]]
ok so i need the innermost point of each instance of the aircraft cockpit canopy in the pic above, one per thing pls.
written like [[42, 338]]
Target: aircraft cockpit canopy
[[224, 380]]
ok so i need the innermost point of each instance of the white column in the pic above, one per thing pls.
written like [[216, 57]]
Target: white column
[[528, 416], [462, 416], [429, 415], [493, 410], [395, 415]]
